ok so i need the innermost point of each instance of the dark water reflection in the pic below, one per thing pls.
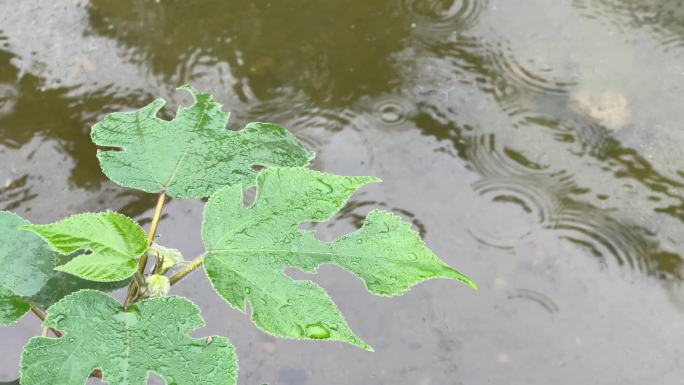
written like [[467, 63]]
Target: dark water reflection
[[537, 145]]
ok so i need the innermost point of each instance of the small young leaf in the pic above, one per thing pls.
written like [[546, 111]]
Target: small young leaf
[[115, 241], [248, 249], [193, 155], [151, 335], [170, 257]]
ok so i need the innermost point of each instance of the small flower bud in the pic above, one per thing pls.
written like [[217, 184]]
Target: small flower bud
[[158, 285]]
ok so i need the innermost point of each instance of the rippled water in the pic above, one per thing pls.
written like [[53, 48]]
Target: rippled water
[[536, 144]]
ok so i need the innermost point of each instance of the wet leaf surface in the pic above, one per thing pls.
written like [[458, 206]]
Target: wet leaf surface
[[115, 242], [193, 155], [248, 249], [27, 265], [152, 336]]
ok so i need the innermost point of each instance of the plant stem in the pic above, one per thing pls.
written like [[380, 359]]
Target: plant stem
[[134, 288], [187, 270], [40, 314], [153, 230]]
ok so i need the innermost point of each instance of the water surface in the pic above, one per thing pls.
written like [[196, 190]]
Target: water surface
[[537, 146]]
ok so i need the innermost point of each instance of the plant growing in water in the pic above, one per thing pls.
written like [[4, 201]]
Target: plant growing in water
[[69, 266]]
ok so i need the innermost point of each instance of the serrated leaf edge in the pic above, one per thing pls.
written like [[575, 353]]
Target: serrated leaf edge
[[46, 323], [31, 228], [362, 344]]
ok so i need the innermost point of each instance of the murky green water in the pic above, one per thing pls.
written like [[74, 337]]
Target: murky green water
[[536, 144]]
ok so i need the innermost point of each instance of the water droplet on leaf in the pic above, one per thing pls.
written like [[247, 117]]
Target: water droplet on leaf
[[317, 331]]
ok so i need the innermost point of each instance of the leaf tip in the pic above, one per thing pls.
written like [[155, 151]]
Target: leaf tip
[[463, 278], [367, 348], [472, 284]]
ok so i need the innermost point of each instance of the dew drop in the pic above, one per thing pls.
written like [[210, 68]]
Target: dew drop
[[58, 320], [317, 331], [248, 290]]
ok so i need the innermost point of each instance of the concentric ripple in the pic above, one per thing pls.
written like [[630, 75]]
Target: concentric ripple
[[512, 208], [393, 110], [548, 200], [391, 113], [491, 159], [526, 77], [535, 297], [445, 14], [511, 182], [583, 135], [524, 192], [605, 237], [661, 18]]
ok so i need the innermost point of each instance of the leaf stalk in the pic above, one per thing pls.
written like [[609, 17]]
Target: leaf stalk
[[187, 270], [134, 288]]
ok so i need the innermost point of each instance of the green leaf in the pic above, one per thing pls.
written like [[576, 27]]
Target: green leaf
[[151, 336], [25, 266], [25, 260], [248, 249], [193, 155], [115, 242], [62, 284], [27, 275], [12, 307]]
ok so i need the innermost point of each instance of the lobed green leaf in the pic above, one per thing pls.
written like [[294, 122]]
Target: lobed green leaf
[[150, 336], [249, 248], [193, 155], [114, 241]]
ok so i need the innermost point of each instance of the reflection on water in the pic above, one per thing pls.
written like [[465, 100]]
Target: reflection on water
[[537, 145], [335, 52]]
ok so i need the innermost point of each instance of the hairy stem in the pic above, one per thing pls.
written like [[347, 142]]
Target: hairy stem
[[187, 270], [134, 288], [153, 230]]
